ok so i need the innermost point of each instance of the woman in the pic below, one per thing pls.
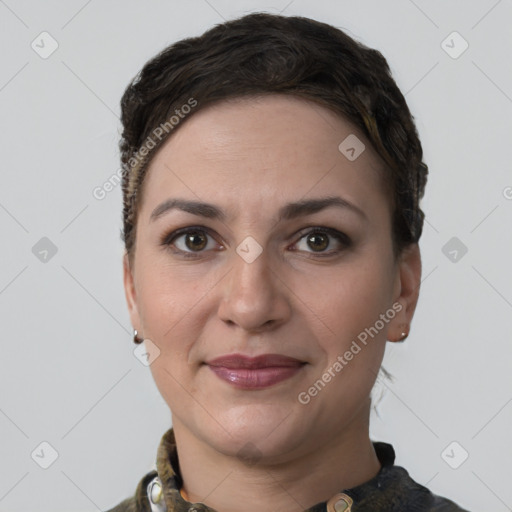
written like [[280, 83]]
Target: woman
[[271, 191]]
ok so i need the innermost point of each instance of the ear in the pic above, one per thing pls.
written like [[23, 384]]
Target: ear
[[406, 292], [130, 294]]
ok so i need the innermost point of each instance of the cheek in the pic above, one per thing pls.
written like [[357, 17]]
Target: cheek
[[175, 389], [174, 307], [167, 296], [350, 309], [352, 335], [347, 299]]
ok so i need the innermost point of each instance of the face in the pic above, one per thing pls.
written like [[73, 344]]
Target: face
[[275, 265]]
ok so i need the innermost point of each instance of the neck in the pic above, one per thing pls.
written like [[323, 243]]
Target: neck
[[224, 482]]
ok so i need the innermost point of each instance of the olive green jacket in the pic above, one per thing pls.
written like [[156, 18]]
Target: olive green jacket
[[391, 490]]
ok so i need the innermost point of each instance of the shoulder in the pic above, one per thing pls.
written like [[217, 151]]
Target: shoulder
[[138, 502], [406, 494], [393, 489]]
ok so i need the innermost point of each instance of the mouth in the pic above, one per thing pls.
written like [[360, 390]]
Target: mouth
[[259, 372]]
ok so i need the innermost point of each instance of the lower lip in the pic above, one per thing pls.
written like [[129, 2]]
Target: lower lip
[[255, 378]]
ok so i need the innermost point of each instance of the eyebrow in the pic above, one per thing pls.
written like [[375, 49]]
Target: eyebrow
[[287, 212]]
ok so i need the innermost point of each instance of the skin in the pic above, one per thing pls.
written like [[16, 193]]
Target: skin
[[250, 157]]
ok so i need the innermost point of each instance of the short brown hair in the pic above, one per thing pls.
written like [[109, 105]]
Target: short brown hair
[[263, 53]]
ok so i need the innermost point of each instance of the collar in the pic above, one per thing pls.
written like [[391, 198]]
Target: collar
[[160, 489]]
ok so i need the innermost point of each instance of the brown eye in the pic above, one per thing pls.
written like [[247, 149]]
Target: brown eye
[[196, 240], [190, 242], [318, 241]]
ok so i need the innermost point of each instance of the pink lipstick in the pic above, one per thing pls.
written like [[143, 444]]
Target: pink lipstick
[[254, 372]]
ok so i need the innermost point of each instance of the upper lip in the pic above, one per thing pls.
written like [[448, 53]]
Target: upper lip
[[262, 361]]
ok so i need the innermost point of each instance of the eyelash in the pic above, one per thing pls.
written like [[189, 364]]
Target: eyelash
[[168, 240]]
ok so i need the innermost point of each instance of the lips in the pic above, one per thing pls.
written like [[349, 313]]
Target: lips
[[255, 372]]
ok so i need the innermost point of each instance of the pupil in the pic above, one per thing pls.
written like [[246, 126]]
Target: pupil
[[196, 240], [314, 239]]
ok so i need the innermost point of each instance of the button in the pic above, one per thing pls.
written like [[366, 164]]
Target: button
[[340, 503], [155, 491], [156, 495]]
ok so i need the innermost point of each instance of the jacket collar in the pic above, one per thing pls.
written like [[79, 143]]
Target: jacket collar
[[389, 479]]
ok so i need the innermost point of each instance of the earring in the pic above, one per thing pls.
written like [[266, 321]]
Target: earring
[[135, 338], [403, 336]]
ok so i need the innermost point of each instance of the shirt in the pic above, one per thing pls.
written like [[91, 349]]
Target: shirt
[[391, 490]]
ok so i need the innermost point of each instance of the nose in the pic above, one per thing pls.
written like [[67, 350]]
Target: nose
[[254, 298]]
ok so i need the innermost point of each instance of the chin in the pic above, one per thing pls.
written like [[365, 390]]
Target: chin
[[257, 431]]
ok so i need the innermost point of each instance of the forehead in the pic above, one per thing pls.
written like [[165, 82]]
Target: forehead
[[265, 149]]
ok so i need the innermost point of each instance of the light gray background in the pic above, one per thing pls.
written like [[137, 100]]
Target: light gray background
[[68, 375]]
